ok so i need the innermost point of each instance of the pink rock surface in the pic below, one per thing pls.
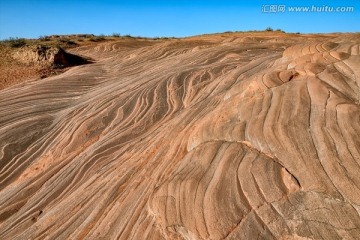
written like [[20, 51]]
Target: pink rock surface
[[211, 137]]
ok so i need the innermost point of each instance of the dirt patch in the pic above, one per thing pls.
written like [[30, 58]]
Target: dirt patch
[[34, 62]]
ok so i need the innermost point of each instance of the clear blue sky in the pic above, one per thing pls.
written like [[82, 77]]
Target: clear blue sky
[[33, 18]]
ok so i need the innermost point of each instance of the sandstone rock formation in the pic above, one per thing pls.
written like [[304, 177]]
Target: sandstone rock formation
[[45, 55], [235, 136]]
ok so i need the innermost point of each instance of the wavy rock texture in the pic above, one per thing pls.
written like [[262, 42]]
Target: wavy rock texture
[[239, 136]]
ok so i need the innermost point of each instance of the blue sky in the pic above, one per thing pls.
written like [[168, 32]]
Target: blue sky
[[34, 18]]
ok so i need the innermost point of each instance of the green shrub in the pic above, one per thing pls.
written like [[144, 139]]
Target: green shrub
[[98, 38], [68, 42], [44, 38], [15, 42], [269, 29], [116, 35]]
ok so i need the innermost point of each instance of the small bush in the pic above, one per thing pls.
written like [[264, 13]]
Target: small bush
[[269, 29], [68, 42], [97, 38], [44, 38], [116, 35], [16, 42], [86, 35]]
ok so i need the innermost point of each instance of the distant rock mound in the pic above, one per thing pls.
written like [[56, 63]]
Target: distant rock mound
[[48, 56]]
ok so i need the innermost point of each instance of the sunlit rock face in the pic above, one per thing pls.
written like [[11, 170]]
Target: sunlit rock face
[[233, 136]]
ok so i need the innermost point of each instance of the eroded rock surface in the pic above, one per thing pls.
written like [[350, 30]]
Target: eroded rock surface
[[48, 56], [242, 136]]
